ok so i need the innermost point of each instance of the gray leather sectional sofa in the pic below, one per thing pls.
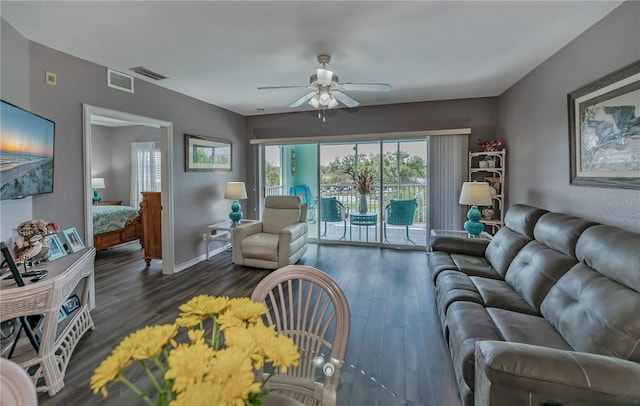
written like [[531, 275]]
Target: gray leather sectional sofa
[[546, 313]]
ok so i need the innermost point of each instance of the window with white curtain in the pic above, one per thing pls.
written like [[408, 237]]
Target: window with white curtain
[[145, 170]]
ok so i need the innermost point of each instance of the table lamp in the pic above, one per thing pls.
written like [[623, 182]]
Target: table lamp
[[475, 194], [97, 183], [235, 191]]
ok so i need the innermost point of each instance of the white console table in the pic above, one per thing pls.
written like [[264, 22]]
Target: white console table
[[72, 274], [221, 232]]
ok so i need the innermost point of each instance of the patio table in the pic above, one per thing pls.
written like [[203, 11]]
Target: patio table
[[366, 220]]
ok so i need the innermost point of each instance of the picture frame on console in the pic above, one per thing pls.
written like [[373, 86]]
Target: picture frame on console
[[56, 248], [604, 131], [73, 240], [205, 154]]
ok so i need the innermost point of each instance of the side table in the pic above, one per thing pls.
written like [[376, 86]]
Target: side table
[[366, 220], [221, 232], [70, 275]]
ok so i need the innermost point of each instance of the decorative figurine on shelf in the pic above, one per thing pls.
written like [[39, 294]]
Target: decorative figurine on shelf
[[488, 213], [31, 239], [490, 145]]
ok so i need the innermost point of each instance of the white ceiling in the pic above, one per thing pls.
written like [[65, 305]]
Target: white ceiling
[[221, 52]]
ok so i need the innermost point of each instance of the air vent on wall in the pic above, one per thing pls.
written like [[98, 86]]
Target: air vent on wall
[[148, 73], [119, 81]]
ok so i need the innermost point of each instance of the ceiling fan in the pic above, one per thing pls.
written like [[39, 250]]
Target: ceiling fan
[[326, 90]]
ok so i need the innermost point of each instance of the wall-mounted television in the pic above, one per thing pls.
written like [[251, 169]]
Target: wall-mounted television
[[26, 153]]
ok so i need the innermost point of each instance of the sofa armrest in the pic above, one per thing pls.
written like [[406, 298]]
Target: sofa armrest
[[457, 243], [293, 232], [240, 233], [514, 373]]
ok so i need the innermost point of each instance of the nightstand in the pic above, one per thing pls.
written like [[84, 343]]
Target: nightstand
[[109, 203]]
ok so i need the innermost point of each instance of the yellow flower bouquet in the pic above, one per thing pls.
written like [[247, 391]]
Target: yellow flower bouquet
[[221, 369]]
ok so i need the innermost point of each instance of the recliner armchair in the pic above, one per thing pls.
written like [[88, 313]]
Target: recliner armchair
[[278, 240]]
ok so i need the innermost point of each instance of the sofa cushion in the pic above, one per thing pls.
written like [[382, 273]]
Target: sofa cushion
[[535, 270], [504, 246], [560, 231], [261, 246], [595, 314], [471, 322], [280, 212], [440, 261], [500, 294], [476, 266], [613, 252], [522, 218], [526, 329]]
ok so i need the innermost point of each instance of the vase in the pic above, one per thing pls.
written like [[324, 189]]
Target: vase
[[362, 204]]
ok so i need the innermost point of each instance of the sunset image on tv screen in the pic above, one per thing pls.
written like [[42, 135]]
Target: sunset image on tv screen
[[26, 153]]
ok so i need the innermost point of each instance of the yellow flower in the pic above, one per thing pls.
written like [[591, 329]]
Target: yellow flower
[[251, 340], [205, 305], [149, 341], [195, 335], [282, 352], [228, 362], [109, 370], [189, 364], [228, 320], [189, 320], [238, 387], [200, 394], [246, 309]]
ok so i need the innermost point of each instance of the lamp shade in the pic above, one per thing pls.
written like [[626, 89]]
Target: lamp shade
[[235, 191], [475, 194], [97, 183]]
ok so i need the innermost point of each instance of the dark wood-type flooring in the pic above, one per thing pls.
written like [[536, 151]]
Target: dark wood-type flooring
[[395, 331]]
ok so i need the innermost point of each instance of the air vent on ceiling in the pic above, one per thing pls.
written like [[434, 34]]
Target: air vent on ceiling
[[148, 73], [119, 81]]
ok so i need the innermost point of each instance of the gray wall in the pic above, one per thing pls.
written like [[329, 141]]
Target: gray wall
[[533, 120], [111, 157], [479, 114], [198, 196], [14, 84]]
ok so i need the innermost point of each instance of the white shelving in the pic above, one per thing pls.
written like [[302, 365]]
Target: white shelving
[[490, 167]]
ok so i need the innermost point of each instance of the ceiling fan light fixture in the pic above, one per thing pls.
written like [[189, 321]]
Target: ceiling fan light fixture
[[315, 101]]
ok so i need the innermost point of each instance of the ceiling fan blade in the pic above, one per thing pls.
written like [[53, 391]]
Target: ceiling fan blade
[[324, 76], [303, 99], [344, 99], [281, 87], [369, 87]]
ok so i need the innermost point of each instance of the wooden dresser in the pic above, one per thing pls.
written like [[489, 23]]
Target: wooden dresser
[[151, 215]]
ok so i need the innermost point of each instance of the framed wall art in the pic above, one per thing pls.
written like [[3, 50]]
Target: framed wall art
[[604, 131], [206, 154]]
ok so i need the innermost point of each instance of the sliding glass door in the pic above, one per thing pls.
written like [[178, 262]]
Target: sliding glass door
[[386, 204]]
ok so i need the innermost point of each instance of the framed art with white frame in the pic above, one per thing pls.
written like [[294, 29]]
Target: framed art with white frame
[[56, 248], [73, 240]]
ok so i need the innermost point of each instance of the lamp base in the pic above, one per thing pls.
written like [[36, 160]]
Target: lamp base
[[235, 215], [473, 226], [96, 196]]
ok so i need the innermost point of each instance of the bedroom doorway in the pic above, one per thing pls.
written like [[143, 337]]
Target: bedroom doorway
[[165, 128]]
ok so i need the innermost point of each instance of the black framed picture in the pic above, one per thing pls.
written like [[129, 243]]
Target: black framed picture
[[604, 131], [206, 154]]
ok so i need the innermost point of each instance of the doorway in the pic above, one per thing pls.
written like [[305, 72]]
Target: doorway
[[166, 150]]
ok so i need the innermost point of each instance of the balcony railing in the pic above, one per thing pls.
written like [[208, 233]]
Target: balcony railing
[[346, 194]]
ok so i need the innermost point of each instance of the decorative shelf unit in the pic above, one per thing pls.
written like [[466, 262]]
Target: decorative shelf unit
[[490, 167]]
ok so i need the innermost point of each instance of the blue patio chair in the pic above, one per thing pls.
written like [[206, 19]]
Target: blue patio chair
[[304, 193], [332, 211], [400, 213]]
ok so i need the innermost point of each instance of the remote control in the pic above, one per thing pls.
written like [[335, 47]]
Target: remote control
[[28, 274], [39, 277]]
